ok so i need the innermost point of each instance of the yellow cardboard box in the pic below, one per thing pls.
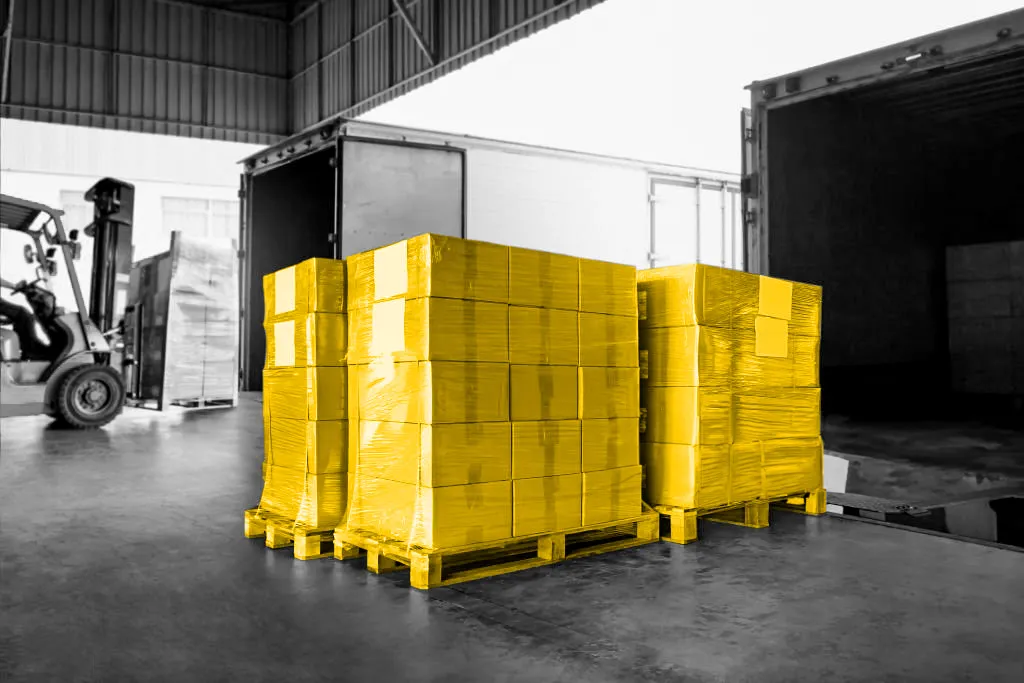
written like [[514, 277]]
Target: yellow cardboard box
[[677, 296], [435, 455], [686, 476], [316, 285], [607, 288], [547, 504], [316, 339], [546, 448], [792, 466], [429, 266], [608, 340], [317, 447], [314, 501], [543, 392], [317, 393], [606, 393], [609, 444], [430, 329], [430, 392], [444, 517], [765, 414], [692, 356], [611, 495], [688, 415], [542, 336], [543, 279]]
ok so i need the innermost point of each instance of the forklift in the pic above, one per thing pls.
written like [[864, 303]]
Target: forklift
[[73, 380]]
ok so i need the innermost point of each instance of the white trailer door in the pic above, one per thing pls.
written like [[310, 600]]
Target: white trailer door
[[391, 191], [693, 221]]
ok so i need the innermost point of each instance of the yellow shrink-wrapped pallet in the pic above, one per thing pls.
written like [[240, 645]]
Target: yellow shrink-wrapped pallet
[[730, 387], [305, 404], [466, 417], [429, 266]]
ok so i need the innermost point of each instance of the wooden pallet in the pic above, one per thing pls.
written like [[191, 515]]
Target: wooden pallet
[[431, 568], [309, 544], [204, 402], [681, 523]]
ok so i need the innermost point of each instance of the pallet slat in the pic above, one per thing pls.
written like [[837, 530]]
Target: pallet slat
[[430, 568]]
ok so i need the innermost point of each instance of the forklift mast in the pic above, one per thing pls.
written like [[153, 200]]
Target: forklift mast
[[111, 230]]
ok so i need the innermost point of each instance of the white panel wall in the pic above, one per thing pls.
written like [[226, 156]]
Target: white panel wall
[[566, 206]]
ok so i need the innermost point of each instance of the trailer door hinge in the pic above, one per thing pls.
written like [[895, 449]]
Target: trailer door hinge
[[750, 185], [241, 193], [748, 134]]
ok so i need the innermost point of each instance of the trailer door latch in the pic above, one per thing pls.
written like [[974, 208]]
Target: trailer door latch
[[749, 185]]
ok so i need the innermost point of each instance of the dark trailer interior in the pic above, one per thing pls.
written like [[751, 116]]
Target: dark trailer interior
[[872, 191]]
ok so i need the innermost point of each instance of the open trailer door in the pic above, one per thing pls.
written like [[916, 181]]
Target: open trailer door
[[755, 257]]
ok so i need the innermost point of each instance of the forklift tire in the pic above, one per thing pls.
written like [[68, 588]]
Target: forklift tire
[[90, 396]]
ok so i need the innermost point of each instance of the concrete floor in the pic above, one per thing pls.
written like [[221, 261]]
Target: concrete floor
[[122, 559]]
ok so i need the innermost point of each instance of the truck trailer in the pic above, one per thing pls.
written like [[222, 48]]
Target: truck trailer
[[351, 186], [892, 179]]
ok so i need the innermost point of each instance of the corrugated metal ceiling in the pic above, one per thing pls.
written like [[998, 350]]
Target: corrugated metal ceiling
[[245, 70]]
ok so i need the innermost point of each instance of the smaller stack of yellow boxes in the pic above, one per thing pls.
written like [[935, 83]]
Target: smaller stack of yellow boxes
[[473, 401], [730, 391], [304, 395]]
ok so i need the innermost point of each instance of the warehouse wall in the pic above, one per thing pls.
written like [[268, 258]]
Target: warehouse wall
[[149, 66]]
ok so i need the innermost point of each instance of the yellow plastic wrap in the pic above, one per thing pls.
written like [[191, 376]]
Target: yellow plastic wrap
[[765, 414], [430, 392], [429, 266], [543, 392], [315, 339], [701, 477], [314, 286], [547, 504], [542, 336], [608, 341], [434, 455], [688, 415], [444, 517], [306, 393], [607, 393], [539, 278], [429, 329], [545, 449], [314, 501], [792, 466], [609, 444], [607, 288], [317, 447], [676, 296], [609, 495], [693, 356]]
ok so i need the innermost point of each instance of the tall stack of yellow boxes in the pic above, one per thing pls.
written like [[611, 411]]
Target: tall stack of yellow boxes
[[731, 397], [304, 405], [477, 415]]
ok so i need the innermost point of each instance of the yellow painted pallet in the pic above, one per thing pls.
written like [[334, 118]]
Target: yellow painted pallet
[[681, 523], [309, 544], [432, 568]]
